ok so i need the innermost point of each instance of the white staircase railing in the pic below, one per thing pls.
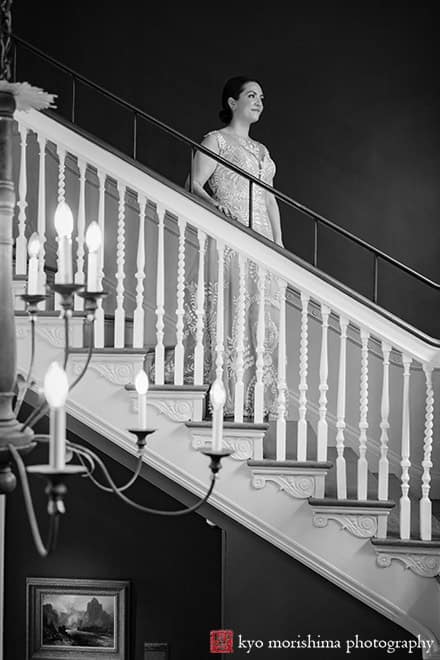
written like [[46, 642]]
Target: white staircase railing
[[161, 249]]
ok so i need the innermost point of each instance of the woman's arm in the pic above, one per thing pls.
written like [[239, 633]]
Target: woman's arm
[[202, 168], [274, 216]]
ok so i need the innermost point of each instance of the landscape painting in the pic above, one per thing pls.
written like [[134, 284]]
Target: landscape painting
[[77, 619]]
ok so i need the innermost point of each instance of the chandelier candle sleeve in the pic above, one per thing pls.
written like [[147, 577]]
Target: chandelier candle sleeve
[[34, 247], [64, 228], [218, 399], [93, 242], [141, 385], [56, 388]]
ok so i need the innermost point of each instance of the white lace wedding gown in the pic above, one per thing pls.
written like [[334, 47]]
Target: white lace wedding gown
[[232, 191]]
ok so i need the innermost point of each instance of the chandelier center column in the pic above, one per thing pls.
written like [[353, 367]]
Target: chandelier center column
[[9, 427]]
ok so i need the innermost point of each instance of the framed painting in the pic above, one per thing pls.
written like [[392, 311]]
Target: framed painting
[[69, 619]]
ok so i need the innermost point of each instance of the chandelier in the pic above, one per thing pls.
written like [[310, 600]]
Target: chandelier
[[17, 439]]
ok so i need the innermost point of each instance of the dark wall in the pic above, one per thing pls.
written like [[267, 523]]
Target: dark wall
[[187, 577], [352, 110]]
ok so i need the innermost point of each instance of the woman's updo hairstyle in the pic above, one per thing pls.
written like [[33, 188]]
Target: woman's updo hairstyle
[[233, 88]]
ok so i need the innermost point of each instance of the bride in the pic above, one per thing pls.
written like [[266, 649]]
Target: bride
[[242, 105]]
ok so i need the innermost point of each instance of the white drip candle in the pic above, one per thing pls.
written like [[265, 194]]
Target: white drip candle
[[93, 242], [64, 228], [34, 247], [56, 388], [141, 385], [218, 399]]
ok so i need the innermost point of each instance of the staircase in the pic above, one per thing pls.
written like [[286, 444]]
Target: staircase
[[344, 476]]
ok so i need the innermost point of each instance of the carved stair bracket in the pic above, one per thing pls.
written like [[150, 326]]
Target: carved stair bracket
[[179, 405], [422, 561], [117, 369], [51, 330], [245, 443], [298, 487], [299, 483], [363, 523]]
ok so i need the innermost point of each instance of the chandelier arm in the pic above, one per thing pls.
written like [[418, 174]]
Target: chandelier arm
[[35, 415], [86, 365], [27, 382], [175, 514], [106, 488], [66, 338], [41, 548], [82, 453], [145, 509]]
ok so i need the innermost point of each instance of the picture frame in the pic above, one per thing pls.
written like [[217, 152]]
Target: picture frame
[[75, 619]]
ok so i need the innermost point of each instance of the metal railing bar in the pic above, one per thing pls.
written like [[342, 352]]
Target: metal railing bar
[[73, 99], [250, 205], [315, 244], [376, 278], [134, 136]]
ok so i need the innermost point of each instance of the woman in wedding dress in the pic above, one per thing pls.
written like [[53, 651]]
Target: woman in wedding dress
[[242, 105]]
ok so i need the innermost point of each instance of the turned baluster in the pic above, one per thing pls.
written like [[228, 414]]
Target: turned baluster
[[425, 502], [179, 350], [323, 387], [79, 275], [199, 350], [159, 354], [405, 463], [282, 381], [303, 366], [21, 243], [384, 424], [139, 316], [120, 274], [341, 468], [99, 314], [362, 464], [259, 362]]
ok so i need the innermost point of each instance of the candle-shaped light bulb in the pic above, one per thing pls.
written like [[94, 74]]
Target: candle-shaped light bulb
[[56, 386], [34, 245], [56, 389], [141, 385], [63, 220], [93, 242], [34, 248], [93, 237], [217, 398], [64, 226]]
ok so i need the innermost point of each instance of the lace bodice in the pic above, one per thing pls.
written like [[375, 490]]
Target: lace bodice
[[232, 190]]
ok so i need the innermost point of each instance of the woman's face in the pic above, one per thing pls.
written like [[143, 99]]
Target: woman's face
[[249, 104]]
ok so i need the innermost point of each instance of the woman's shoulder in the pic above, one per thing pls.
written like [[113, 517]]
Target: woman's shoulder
[[214, 138]]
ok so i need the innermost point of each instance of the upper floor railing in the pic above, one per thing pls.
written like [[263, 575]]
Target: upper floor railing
[[318, 220]]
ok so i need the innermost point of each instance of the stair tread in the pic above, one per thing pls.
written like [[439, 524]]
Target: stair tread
[[269, 462], [355, 503], [397, 542], [127, 350]]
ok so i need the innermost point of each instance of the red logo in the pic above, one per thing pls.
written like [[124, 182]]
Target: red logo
[[221, 641]]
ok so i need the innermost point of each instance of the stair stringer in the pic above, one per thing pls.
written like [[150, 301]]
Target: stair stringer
[[101, 402]]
